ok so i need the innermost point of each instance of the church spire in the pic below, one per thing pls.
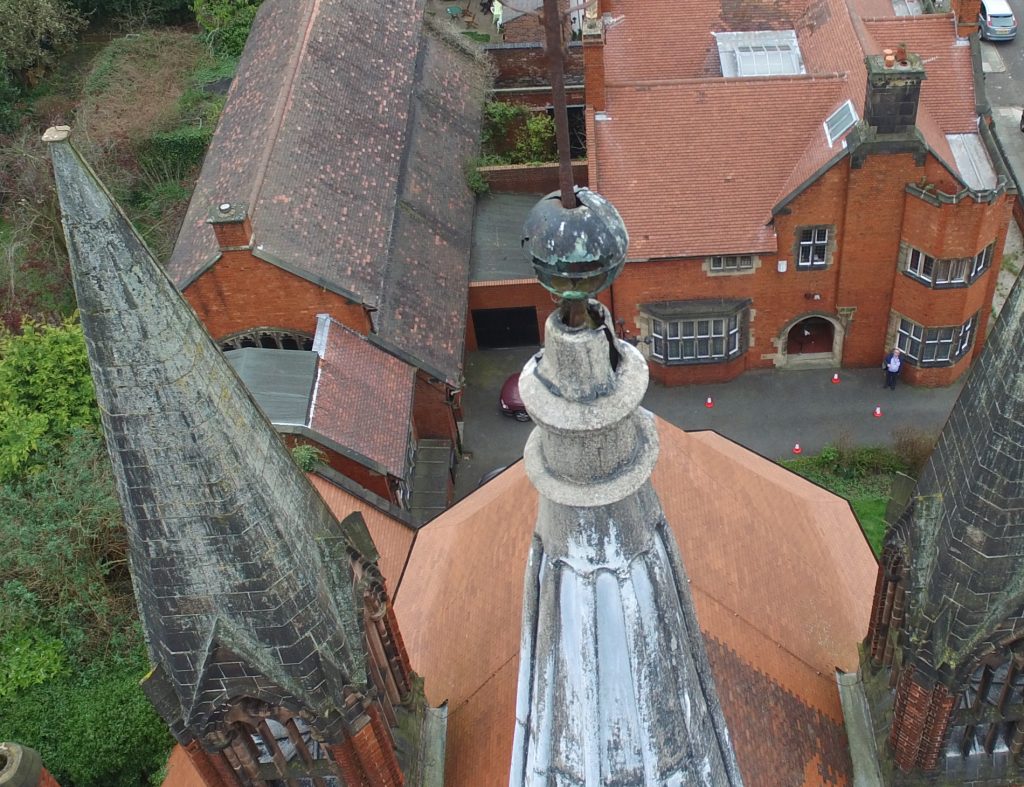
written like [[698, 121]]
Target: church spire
[[614, 682], [948, 614], [243, 577]]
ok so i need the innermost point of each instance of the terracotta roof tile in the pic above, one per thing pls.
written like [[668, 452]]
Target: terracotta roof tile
[[695, 167], [346, 131], [782, 582], [363, 399], [392, 538], [695, 163]]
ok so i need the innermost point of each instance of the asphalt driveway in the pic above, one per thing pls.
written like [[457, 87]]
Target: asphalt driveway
[[767, 411]]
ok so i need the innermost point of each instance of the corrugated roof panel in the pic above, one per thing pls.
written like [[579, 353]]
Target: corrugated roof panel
[[281, 381]]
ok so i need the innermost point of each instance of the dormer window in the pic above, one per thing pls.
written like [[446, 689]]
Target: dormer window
[[761, 53]]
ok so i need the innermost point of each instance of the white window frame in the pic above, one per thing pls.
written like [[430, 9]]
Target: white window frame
[[949, 272], [727, 263], [811, 239], [937, 346], [697, 339]]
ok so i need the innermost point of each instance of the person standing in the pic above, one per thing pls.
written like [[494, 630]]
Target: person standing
[[892, 364]]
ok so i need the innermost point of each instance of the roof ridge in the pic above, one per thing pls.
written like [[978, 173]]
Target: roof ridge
[[284, 99], [827, 76]]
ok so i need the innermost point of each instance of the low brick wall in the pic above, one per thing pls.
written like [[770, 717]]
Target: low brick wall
[[530, 178]]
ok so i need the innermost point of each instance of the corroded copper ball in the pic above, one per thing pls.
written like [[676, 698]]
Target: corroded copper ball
[[578, 252]]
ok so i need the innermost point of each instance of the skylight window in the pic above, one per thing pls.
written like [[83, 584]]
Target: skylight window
[[762, 53], [840, 121]]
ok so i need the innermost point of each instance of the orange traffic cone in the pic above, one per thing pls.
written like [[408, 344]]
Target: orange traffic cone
[[878, 412], [797, 449], [835, 378], [709, 403]]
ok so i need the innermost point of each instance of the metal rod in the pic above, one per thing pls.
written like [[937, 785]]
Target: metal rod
[[555, 47]]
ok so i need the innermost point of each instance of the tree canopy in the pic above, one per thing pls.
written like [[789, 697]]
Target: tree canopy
[[36, 32]]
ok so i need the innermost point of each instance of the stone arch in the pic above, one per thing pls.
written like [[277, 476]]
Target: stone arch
[[267, 338], [830, 358]]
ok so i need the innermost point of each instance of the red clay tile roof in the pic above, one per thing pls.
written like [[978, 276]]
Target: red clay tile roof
[[180, 772], [696, 166], [346, 130], [392, 538], [363, 399], [781, 577], [947, 92], [695, 163]]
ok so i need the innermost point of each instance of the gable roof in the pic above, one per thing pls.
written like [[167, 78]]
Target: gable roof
[[363, 398], [781, 578], [696, 163], [345, 132]]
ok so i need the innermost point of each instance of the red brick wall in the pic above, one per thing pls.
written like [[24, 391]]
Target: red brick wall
[[959, 230], [593, 67], [46, 780], [432, 416], [240, 292], [921, 716], [212, 768], [233, 234], [866, 209], [696, 374], [530, 178], [966, 16], [362, 475], [510, 296], [524, 65], [528, 27], [368, 757]]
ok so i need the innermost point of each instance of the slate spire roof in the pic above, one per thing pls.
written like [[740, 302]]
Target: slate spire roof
[[614, 682], [240, 571], [965, 593]]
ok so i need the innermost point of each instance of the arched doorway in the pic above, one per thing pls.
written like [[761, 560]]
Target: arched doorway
[[811, 335], [810, 341]]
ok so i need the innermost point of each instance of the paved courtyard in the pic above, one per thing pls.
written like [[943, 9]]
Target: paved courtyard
[[767, 411]]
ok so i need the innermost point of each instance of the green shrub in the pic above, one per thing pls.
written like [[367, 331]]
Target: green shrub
[[500, 119], [914, 446], [177, 151], [477, 183], [34, 33], [10, 114], [28, 658], [93, 728], [45, 389], [307, 456], [226, 23], [135, 12], [65, 568], [536, 141]]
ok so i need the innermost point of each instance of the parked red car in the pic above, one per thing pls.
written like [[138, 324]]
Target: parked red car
[[510, 401]]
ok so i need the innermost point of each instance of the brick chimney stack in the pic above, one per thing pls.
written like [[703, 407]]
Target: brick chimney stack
[[894, 91], [966, 16], [593, 60], [231, 225]]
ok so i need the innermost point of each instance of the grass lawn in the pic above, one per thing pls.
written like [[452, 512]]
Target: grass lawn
[[863, 476], [870, 513]]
